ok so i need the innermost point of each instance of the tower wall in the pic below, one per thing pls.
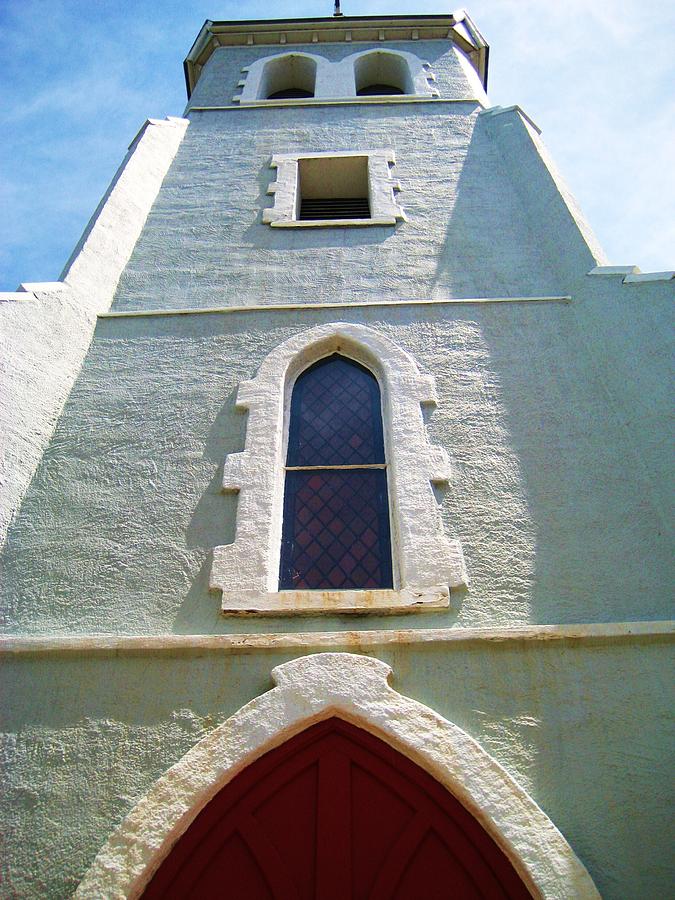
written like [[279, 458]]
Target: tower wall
[[470, 232]]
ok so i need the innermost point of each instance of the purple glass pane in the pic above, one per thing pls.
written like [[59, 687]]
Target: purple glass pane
[[335, 416], [336, 531]]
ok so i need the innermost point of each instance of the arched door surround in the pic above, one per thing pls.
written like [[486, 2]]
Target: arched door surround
[[313, 689]]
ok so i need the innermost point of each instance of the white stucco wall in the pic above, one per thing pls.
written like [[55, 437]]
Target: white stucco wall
[[227, 67], [557, 501], [485, 217], [88, 736]]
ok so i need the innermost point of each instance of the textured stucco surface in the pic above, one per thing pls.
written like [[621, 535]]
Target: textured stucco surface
[[485, 216], [583, 729], [551, 495], [356, 688], [469, 231]]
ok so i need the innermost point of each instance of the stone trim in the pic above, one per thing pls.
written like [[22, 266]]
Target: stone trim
[[283, 603], [632, 274], [308, 690], [359, 304], [91, 644], [384, 210], [425, 561], [668, 275], [343, 101], [458, 28], [334, 80], [500, 110]]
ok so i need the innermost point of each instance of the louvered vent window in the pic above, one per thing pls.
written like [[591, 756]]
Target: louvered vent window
[[336, 533], [333, 188]]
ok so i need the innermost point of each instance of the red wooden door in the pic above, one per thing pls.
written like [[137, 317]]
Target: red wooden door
[[335, 814]]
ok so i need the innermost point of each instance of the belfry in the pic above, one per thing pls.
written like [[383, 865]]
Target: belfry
[[336, 550]]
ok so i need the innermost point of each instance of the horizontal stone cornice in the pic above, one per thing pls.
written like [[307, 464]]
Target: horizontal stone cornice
[[389, 100], [93, 644], [357, 304]]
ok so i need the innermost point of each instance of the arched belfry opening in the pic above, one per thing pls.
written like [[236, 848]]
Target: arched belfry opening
[[290, 76], [335, 813], [382, 73], [336, 531]]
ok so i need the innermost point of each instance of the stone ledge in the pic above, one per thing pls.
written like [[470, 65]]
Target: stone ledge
[[284, 603], [498, 110], [351, 101], [632, 274], [91, 644], [356, 304], [649, 276], [613, 270], [334, 223]]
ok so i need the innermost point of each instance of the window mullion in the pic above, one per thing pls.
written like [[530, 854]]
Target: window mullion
[[322, 468]]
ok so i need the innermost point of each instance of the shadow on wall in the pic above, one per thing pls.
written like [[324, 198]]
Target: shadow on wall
[[580, 479], [545, 373], [492, 247], [200, 609], [213, 518]]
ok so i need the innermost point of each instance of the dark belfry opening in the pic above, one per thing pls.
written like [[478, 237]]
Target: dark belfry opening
[[374, 90], [333, 188], [290, 94], [336, 532]]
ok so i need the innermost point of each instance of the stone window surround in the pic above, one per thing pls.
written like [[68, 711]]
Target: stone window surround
[[310, 689], [384, 210], [426, 562], [336, 80]]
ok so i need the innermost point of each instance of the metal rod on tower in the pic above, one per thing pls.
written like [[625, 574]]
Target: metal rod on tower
[[337, 8]]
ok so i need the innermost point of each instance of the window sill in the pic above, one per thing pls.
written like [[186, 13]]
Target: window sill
[[332, 223], [281, 603]]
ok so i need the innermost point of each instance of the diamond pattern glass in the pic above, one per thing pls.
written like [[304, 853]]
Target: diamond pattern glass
[[336, 533], [336, 530], [335, 416]]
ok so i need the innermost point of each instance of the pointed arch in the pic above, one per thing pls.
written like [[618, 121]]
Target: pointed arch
[[336, 528], [355, 688], [426, 563]]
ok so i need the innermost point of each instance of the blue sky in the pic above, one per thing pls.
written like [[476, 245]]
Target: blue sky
[[79, 78]]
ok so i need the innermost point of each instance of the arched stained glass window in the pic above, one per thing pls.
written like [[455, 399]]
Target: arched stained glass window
[[336, 533]]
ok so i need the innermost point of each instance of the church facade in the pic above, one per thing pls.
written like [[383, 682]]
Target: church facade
[[335, 521]]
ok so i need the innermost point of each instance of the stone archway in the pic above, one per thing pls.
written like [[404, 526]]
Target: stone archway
[[354, 688]]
